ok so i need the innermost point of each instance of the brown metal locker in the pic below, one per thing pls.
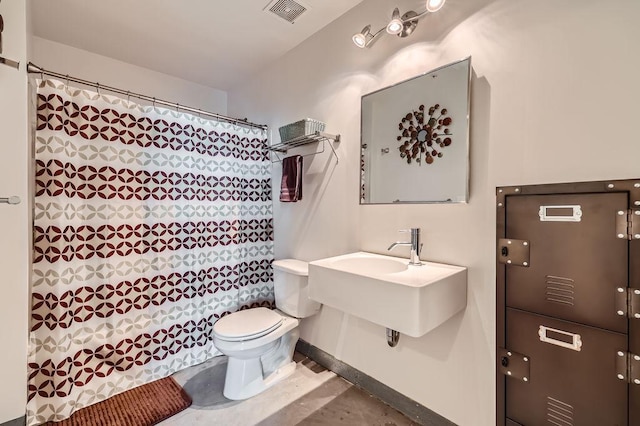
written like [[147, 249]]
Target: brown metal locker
[[576, 261], [568, 314], [563, 385], [634, 324]]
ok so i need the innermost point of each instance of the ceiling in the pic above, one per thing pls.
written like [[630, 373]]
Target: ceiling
[[212, 42]]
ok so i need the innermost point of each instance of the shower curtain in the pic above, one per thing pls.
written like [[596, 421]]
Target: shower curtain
[[149, 225]]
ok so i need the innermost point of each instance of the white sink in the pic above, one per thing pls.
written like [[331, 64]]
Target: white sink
[[388, 291], [369, 264]]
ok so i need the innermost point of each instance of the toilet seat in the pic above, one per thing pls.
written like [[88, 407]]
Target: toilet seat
[[246, 325]]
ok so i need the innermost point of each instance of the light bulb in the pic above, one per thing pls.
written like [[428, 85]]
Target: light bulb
[[395, 25], [434, 5], [362, 38], [359, 40]]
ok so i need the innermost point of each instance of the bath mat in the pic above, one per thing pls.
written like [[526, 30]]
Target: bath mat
[[145, 405]]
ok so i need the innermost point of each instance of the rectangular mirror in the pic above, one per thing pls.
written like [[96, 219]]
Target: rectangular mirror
[[415, 139]]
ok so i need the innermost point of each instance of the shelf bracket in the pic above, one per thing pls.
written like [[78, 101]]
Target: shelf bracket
[[325, 138]]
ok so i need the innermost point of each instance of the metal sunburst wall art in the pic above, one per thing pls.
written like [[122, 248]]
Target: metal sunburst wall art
[[424, 139]]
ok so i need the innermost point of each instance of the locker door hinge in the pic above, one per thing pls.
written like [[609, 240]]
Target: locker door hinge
[[628, 302], [628, 224], [513, 252], [513, 364], [628, 367]]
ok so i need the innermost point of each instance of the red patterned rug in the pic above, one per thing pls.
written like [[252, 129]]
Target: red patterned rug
[[142, 406]]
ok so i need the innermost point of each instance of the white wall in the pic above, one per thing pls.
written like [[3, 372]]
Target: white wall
[[90, 66], [15, 220], [554, 100]]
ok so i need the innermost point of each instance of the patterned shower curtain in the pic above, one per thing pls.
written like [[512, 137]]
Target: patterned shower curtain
[[149, 225]]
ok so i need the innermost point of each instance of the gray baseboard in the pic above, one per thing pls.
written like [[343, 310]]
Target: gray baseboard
[[20, 421], [410, 408]]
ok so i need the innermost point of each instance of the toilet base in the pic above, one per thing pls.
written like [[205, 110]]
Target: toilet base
[[248, 378]]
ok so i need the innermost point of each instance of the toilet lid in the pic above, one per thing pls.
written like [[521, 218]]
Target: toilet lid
[[247, 324]]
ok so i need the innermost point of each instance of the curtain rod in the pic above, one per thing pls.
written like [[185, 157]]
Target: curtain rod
[[34, 69]]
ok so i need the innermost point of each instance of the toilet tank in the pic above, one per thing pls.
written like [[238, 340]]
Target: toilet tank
[[291, 288]]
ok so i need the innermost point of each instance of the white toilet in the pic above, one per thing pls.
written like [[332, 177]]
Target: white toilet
[[260, 342]]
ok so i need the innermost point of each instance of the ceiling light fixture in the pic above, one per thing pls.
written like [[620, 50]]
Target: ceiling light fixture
[[364, 38], [360, 39], [434, 5], [402, 26], [395, 24]]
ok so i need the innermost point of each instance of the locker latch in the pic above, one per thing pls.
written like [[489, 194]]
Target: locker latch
[[628, 302], [628, 367], [513, 364], [513, 252], [628, 224]]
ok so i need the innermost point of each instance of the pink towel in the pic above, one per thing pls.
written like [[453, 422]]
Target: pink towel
[[291, 186]]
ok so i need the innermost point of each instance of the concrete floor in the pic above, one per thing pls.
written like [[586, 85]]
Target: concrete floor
[[312, 395]]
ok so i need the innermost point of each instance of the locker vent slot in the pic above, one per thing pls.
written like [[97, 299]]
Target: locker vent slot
[[559, 290], [559, 413]]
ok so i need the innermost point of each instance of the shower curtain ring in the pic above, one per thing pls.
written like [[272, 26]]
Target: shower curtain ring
[[154, 103], [177, 107], [128, 96], [98, 88], [66, 82]]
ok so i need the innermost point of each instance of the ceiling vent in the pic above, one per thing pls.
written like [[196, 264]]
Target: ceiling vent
[[288, 10]]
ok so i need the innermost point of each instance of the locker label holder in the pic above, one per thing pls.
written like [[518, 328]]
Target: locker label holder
[[560, 213], [560, 338]]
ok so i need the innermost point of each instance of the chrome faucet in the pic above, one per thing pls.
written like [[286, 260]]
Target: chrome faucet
[[416, 246]]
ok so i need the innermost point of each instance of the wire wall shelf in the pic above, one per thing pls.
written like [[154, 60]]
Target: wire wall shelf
[[325, 138]]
